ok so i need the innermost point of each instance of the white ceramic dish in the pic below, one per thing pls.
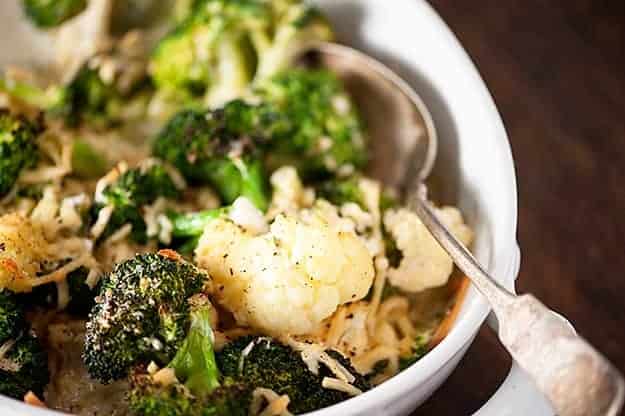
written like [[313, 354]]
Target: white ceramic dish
[[478, 172]]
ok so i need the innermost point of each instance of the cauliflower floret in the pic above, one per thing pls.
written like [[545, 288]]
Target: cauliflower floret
[[288, 280], [424, 264], [289, 194], [23, 248]]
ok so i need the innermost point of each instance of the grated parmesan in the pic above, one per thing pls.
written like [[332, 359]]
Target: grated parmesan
[[276, 405], [340, 385]]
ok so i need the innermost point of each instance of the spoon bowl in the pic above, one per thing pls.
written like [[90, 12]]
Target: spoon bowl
[[399, 125]]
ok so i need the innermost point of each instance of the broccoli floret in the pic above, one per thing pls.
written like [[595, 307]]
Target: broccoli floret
[[326, 132], [12, 320], [208, 54], [50, 13], [220, 46], [141, 314], [296, 25], [24, 367], [91, 100], [82, 296], [18, 148], [273, 365], [87, 98], [129, 193], [24, 364], [219, 148], [199, 391]]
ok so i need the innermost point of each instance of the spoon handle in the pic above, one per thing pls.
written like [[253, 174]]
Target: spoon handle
[[576, 378]]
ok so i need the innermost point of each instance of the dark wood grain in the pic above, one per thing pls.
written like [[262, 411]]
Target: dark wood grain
[[557, 72]]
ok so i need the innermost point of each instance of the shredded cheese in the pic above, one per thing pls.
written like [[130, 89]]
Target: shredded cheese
[[276, 405], [340, 385], [5, 363], [63, 296], [104, 216]]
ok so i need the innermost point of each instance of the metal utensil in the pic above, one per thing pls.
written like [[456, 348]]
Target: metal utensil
[[575, 377]]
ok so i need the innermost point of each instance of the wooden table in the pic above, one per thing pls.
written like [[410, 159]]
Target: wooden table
[[556, 69]]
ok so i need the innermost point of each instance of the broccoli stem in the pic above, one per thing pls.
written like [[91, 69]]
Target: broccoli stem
[[37, 97], [194, 361], [233, 71], [193, 224], [86, 162]]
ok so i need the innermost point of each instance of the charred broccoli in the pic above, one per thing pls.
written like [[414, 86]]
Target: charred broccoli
[[18, 148], [326, 134], [141, 314], [129, 193], [275, 366], [12, 320], [24, 364], [221, 46], [220, 148], [24, 367], [199, 391], [50, 13]]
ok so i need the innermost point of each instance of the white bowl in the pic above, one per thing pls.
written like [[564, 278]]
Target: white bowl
[[476, 165]]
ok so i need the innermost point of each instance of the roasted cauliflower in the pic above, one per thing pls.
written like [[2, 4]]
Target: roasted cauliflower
[[288, 280], [424, 263]]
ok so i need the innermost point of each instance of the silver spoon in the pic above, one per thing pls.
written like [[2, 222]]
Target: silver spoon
[[575, 377]]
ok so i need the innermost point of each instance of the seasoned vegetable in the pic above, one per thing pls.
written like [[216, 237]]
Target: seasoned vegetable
[[50, 13], [25, 367], [197, 389], [305, 257], [220, 148], [88, 99], [221, 46], [129, 193], [326, 135], [276, 366], [18, 148], [140, 315], [12, 320], [24, 364]]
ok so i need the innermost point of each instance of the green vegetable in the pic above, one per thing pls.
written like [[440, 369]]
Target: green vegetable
[[140, 315], [326, 132], [86, 99], [18, 148], [129, 193], [192, 224], [25, 368], [86, 162], [199, 391], [24, 365], [273, 365], [12, 320], [50, 13], [220, 148], [220, 46]]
